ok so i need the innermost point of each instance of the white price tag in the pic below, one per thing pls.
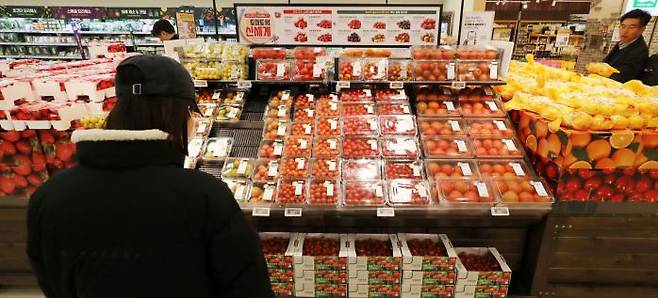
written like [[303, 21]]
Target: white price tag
[[272, 169], [415, 169], [285, 96], [492, 105], [379, 191], [401, 195], [239, 191], [292, 212], [396, 85], [493, 70], [208, 112], [385, 212], [499, 211], [281, 111], [281, 130], [333, 123], [300, 163], [449, 105], [405, 108], [330, 188], [373, 124], [310, 97], [461, 145], [367, 92], [299, 188], [482, 189], [370, 109], [356, 68], [342, 85], [333, 106], [466, 168], [334, 97], [244, 84], [242, 167], [310, 113], [280, 70], [539, 188], [331, 165], [450, 71], [317, 70], [239, 97], [381, 68], [268, 194], [509, 144], [234, 72], [332, 144], [307, 129], [303, 143], [458, 85], [422, 191], [373, 144], [278, 148], [455, 125], [518, 169], [202, 127], [232, 113], [216, 95], [500, 125], [263, 212], [200, 83]]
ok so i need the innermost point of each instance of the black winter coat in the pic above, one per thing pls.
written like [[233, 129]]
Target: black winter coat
[[129, 221], [630, 61]]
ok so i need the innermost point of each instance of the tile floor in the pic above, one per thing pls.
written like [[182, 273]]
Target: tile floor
[[20, 292]]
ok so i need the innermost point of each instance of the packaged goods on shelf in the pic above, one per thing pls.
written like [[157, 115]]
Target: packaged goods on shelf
[[217, 149], [464, 192], [481, 271]]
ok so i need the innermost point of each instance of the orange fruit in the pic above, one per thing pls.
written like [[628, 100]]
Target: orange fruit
[[554, 144], [581, 164], [621, 139], [485, 168], [649, 165], [510, 196], [624, 158], [526, 197], [531, 143], [433, 168], [598, 149], [580, 139], [650, 140], [541, 129], [542, 148], [605, 163]]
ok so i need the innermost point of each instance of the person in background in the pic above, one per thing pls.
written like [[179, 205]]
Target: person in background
[[129, 220], [164, 30], [630, 54]]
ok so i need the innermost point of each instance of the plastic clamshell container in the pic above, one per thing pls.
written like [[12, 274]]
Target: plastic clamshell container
[[328, 107], [497, 148], [407, 192], [397, 125], [432, 53], [240, 188], [427, 93], [228, 113], [281, 112], [433, 70], [358, 109], [446, 147], [364, 193], [361, 126], [280, 98], [496, 128], [309, 52], [208, 109], [275, 129], [375, 69], [305, 100], [477, 70], [312, 69], [266, 170], [269, 53], [292, 192], [399, 70], [444, 127], [403, 169], [366, 169], [384, 95], [328, 127], [238, 168], [356, 95], [361, 147], [218, 149], [465, 191], [439, 108], [477, 53], [327, 147], [295, 168], [304, 114], [393, 108], [350, 69], [270, 149], [262, 193], [302, 128], [273, 70], [324, 192], [481, 108], [400, 147], [296, 146], [504, 168], [233, 97], [325, 168], [522, 191], [476, 93], [450, 168]]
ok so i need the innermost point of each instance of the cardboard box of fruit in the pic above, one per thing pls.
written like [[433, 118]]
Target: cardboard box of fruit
[[373, 252], [422, 252], [481, 266]]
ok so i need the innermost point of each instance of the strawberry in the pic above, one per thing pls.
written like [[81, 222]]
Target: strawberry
[[10, 136], [34, 180], [64, 151], [38, 167], [38, 159], [20, 181], [46, 137], [8, 148], [23, 165], [23, 147], [28, 134], [7, 185]]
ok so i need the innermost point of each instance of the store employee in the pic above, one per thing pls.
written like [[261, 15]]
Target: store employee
[[630, 55], [164, 30]]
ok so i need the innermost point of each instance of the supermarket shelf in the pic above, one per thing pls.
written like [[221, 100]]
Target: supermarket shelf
[[417, 212], [359, 82], [40, 57], [11, 43], [104, 32]]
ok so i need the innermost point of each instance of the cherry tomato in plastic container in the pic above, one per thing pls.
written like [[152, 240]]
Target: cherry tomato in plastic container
[[465, 191], [325, 168], [361, 169], [327, 147], [328, 107], [393, 108], [360, 147], [450, 168], [403, 169], [406, 192], [356, 95], [361, 126], [444, 127], [496, 147], [304, 115], [400, 147], [440, 147], [397, 125], [385, 95], [328, 127], [444, 108], [302, 128], [270, 149], [292, 192], [324, 192], [304, 101], [298, 146], [295, 168], [358, 109], [364, 193]]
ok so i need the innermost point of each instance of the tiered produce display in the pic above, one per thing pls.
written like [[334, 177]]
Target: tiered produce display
[[594, 139], [216, 61]]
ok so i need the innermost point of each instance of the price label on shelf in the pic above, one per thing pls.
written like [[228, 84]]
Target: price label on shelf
[[242, 84], [500, 125], [458, 85], [281, 111], [518, 169], [280, 70], [200, 83], [385, 212], [310, 113], [372, 123], [499, 211], [216, 95], [415, 169], [370, 109], [342, 85], [449, 105], [310, 97], [272, 168], [239, 191], [492, 105], [333, 106], [482, 189], [405, 108], [539, 188], [262, 212], [396, 85], [292, 212], [368, 93], [461, 145], [285, 96], [334, 97], [455, 125], [466, 168]]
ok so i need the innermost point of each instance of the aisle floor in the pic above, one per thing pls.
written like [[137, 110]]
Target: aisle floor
[[20, 292]]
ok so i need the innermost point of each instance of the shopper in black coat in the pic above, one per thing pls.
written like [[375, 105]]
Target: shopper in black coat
[[630, 54], [129, 221]]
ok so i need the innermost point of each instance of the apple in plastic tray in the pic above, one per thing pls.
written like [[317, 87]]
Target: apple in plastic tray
[[275, 129], [520, 190], [325, 168], [327, 147], [295, 168], [446, 108], [291, 192], [302, 128], [441, 127], [298, 146], [458, 190], [357, 147], [405, 192], [324, 192], [397, 125], [445, 168], [266, 170], [402, 169], [328, 127], [358, 109], [400, 147], [361, 169], [360, 125], [396, 108], [364, 193]]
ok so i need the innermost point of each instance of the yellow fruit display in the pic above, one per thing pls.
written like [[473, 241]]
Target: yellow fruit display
[[602, 69]]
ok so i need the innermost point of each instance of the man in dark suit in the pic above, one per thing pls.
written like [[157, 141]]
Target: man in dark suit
[[630, 54]]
